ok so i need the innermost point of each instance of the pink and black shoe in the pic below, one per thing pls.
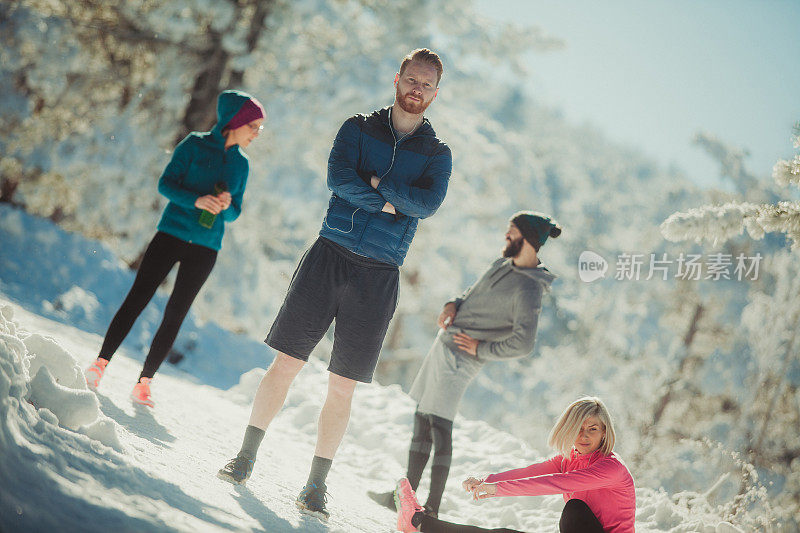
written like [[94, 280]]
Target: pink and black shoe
[[407, 506], [141, 393], [95, 372]]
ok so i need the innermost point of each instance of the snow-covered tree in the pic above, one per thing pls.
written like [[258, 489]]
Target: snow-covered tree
[[719, 223], [761, 387]]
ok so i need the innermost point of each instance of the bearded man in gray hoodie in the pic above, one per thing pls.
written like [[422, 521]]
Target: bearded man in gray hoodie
[[494, 320]]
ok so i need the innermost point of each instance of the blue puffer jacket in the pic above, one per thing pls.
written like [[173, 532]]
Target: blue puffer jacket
[[199, 162], [414, 176]]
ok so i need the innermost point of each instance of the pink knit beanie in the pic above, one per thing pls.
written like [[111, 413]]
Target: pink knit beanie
[[251, 110]]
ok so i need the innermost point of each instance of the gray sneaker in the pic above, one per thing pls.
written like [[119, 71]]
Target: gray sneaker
[[237, 470], [312, 500]]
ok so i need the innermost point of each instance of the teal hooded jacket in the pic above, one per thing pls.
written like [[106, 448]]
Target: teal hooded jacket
[[198, 163]]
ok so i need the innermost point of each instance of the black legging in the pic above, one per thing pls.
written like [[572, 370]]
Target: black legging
[[437, 432], [196, 263], [575, 518], [434, 525]]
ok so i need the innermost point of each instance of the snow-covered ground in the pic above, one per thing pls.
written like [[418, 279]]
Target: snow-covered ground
[[73, 461]]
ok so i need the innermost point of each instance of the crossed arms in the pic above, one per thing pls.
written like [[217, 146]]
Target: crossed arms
[[384, 194]]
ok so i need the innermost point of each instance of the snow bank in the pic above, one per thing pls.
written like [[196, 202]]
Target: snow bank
[[73, 408], [13, 359], [47, 377], [46, 352]]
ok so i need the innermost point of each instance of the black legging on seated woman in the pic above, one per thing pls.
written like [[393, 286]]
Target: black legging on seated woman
[[196, 263], [575, 518]]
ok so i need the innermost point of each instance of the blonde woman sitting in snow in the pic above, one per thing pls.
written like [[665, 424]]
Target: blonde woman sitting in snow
[[596, 484]]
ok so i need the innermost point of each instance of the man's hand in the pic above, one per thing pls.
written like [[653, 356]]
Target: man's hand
[[374, 181], [225, 198], [470, 483], [466, 343], [447, 315], [210, 203], [483, 491]]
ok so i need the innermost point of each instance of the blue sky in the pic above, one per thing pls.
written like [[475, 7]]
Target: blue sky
[[653, 73]]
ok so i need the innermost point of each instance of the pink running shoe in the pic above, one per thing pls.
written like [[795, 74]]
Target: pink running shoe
[[141, 393], [95, 372], [407, 506]]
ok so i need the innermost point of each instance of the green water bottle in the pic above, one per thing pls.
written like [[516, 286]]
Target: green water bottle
[[207, 218]]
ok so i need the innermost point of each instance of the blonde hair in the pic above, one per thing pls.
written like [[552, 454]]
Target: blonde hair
[[424, 56], [568, 428]]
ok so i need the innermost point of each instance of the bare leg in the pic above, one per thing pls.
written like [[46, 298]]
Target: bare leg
[[272, 390], [334, 416]]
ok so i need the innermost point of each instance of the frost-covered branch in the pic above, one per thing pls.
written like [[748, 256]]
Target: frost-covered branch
[[785, 171], [731, 160], [715, 223], [718, 223]]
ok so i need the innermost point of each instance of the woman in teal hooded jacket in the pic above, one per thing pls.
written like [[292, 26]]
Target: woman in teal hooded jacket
[[204, 183]]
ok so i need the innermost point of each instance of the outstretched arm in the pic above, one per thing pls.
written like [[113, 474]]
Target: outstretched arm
[[550, 466], [604, 473], [484, 488]]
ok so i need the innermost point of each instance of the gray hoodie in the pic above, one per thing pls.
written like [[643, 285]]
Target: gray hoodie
[[501, 310]]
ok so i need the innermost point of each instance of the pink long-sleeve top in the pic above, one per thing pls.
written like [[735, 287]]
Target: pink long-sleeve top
[[602, 481]]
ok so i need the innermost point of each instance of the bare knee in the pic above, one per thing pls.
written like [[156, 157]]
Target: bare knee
[[340, 388], [285, 366]]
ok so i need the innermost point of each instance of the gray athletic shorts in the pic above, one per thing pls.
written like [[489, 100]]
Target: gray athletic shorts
[[333, 282]]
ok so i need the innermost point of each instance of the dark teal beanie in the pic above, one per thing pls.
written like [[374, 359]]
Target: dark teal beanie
[[535, 227]]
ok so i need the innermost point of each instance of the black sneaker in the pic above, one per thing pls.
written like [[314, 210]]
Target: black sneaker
[[237, 470], [312, 500], [384, 498]]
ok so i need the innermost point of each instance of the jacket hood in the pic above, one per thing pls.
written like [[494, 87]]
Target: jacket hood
[[424, 129], [228, 104], [539, 273]]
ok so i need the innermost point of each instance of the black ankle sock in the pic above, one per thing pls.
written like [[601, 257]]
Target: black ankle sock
[[319, 470], [252, 440], [416, 520]]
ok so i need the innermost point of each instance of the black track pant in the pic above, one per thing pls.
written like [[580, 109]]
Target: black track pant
[[578, 518], [575, 518], [431, 431], [196, 263], [434, 525]]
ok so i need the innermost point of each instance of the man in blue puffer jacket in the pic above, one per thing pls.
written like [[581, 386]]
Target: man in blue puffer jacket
[[386, 170]]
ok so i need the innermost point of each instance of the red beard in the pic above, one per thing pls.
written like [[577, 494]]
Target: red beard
[[409, 105]]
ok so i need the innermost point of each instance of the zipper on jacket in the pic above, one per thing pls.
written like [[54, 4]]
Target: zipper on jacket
[[396, 142], [394, 146]]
